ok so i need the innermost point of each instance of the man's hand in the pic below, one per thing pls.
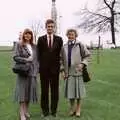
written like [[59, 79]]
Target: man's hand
[[64, 75]]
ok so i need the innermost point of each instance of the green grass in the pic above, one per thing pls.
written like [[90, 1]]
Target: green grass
[[103, 92]]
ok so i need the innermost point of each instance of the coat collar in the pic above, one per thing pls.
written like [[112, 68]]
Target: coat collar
[[75, 43]]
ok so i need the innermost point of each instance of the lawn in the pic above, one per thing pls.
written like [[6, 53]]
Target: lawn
[[103, 92]]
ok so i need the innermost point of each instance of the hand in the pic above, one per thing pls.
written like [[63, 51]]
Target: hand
[[64, 75], [79, 67], [29, 59]]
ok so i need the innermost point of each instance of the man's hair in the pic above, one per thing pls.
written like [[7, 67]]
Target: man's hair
[[48, 21]]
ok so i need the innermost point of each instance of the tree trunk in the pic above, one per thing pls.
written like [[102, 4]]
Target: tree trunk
[[112, 28], [35, 38]]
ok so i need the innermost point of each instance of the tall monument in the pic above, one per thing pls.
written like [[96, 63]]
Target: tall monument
[[54, 13]]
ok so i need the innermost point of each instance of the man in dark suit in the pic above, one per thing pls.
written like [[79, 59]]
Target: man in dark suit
[[49, 48]]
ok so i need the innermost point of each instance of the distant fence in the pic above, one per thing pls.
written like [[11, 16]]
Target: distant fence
[[7, 48]]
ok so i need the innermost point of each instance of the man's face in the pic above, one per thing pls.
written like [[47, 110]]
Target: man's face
[[50, 28]]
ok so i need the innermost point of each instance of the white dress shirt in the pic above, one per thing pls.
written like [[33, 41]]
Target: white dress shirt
[[29, 47], [49, 38]]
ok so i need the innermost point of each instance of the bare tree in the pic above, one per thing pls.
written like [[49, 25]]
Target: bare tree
[[105, 18], [36, 27]]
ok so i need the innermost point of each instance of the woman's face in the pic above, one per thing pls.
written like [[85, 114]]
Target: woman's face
[[27, 37], [71, 36]]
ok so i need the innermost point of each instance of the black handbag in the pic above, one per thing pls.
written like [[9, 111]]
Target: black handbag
[[86, 76], [21, 68]]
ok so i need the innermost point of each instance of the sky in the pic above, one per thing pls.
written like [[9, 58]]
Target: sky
[[16, 15]]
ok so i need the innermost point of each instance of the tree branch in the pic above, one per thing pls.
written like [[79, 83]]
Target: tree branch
[[113, 3], [107, 4], [97, 25], [100, 9], [96, 14], [117, 13]]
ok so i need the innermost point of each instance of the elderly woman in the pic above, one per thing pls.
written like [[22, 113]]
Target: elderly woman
[[74, 84], [26, 85]]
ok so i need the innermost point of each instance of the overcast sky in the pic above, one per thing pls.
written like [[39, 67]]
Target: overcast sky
[[15, 15]]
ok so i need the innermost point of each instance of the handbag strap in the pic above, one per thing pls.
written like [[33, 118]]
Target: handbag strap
[[81, 51]]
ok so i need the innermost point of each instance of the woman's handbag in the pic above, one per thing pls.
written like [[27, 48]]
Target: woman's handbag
[[86, 76], [21, 68]]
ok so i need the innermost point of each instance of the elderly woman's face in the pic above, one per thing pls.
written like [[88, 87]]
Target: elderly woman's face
[[71, 36]]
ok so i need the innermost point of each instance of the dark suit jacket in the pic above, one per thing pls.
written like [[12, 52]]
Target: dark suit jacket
[[49, 59]]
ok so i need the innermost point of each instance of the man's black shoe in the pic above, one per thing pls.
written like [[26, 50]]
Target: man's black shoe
[[53, 114], [45, 114]]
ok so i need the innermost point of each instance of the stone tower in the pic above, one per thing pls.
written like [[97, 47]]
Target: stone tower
[[54, 13]]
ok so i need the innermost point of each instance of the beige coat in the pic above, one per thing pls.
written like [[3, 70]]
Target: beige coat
[[76, 57]]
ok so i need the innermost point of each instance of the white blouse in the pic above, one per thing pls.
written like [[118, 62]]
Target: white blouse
[[30, 49]]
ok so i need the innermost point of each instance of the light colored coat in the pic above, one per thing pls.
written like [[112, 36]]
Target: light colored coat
[[76, 57], [74, 85]]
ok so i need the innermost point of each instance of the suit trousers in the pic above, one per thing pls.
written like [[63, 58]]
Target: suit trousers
[[52, 81]]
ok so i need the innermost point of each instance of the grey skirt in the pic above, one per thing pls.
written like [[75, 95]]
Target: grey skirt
[[75, 87], [26, 89]]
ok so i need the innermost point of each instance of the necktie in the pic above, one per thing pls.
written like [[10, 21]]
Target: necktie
[[50, 41], [70, 46]]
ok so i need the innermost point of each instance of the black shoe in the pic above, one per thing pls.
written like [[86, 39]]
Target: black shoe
[[53, 114], [45, 114]]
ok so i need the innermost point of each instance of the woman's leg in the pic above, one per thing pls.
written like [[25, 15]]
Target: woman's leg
[[27, 99], [78, 108], [22, 111], [26, 109], [72, 106]]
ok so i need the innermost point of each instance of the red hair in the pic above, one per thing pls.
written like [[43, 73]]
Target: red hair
[[25, 32]]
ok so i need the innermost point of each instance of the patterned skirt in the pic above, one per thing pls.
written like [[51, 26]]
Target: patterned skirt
[[75, 87], [26, 89]]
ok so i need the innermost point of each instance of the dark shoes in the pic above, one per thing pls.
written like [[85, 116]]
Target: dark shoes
[[45, 114], [53, 114]]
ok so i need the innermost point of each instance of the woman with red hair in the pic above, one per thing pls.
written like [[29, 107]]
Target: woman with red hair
[[26, 86]]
